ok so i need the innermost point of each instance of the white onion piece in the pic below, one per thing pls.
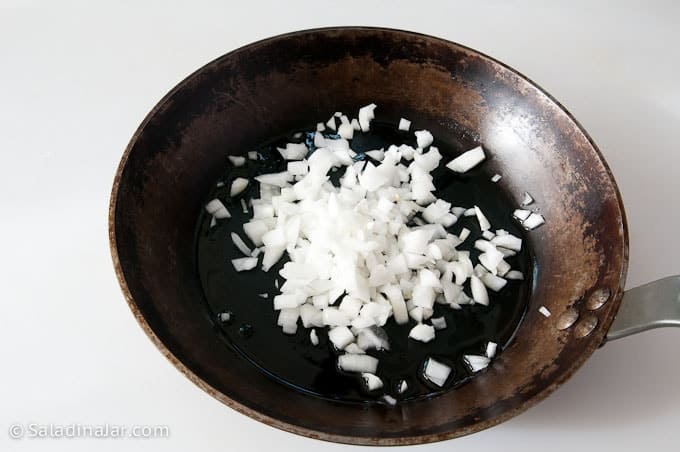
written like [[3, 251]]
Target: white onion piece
[[495, 178], [241, 245], [422, 333], [252, 155], [464, 233], [372, 338], [467, 160], [521, 214], [493, 282], [423, 138], [366, 114], [402, 387], [244, 263], [526, 199], [320, 127], [396, 298], [346, 131], [263, 295], [545, 311], [354, 348], [331, 123], [293, 151], [488, 235], [237, 186], [491, 349], [470, 212], [439, 323], [508, 241], [479, 293], [313, 337], [481, 218], [277, 179], [371, 381], [355, 124], [404, 124], [340, 336], [237, 160], [476, 362], [533, 221], [514, 274], [436, 372], [217, 209], [358, 363]]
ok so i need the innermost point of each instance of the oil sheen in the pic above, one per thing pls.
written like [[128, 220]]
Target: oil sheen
[[292, 359]]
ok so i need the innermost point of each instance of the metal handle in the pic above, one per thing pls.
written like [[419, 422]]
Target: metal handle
[[646, 307]]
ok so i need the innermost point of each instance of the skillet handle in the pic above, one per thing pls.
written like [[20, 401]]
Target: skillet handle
[[646, 307]]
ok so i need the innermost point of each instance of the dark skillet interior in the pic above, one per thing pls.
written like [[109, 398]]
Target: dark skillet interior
[[286, 83]]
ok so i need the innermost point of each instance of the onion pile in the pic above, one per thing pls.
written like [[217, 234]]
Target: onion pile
[[376, 247]]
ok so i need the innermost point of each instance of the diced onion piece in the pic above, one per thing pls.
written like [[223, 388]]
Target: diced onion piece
[[521, 214], [545, 311], [495, 178], [252, 155], [423, 138], [346, 131], [488, 235], [373, 338], [396, 298], [357, 363], [533, 221], [508, 241], [493, 282], [331, 123], [293, 151], [526, 199], [404, 124], [237, 186], [467, 160], [366, 115], [479, 293], [240, 244], [244, 263], [481, 218], [439, 323], [263, 295], [514, 274], [320, 127], [371, 381], [277, 179], [389, 399], [422, 333], [476, 362], [354, 348], [340, 336], [436, 372], [464, 233], [237, 160], [217, 209], [402, 387], [491, 349], [313, 338]]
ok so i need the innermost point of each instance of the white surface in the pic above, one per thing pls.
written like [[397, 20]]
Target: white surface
[[77, 80]]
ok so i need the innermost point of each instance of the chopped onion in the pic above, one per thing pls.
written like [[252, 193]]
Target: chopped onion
[[244, 263], [526, 199], [481, 218], [423, 138], [436, 372], [476, 362], [514, 274], [293, 151], [543, 310], [491, 349], [422, 333], [467, 160], [521, 214], [439, 323], [371, 381], [340, 336], [237, 160], [263, 295], [331, 123], [313, 338], [495, 178], [389, 399], [217, 209], [366, 114], [244, 206], [237, 186], [508, 241], [404, 124], [402, 387], [357, 363], [479, 293], [320, 127], [241, 245], [533, 221], [252, 155]]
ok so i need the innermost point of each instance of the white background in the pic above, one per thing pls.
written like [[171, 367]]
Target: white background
[[75, 81]]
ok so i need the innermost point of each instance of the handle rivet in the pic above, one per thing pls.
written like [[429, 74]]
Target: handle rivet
[[586, 326], [567, 319], [598, 298]]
